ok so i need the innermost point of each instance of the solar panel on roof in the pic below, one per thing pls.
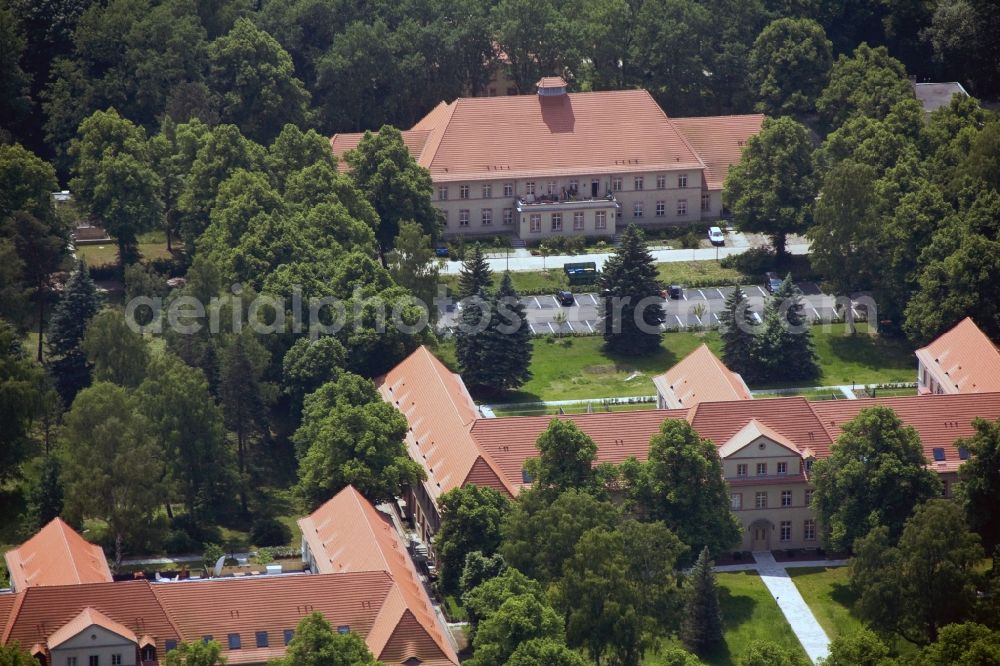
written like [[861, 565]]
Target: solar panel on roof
[[938, 454]]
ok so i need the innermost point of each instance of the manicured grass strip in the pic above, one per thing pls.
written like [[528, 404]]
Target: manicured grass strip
[[152, 245], [706, 273], [578, 367], [827, 592]]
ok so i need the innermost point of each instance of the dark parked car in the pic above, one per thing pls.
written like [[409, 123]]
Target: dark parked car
[[441, 252], [565, 298], [772, 282], [674, 291]]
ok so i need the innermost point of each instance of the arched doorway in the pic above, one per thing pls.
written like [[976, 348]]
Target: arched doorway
[[760, 535]]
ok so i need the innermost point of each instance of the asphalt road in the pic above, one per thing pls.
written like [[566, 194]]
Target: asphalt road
[[697, 308]]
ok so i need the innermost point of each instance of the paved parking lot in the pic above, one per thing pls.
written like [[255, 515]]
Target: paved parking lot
[[696, 308]]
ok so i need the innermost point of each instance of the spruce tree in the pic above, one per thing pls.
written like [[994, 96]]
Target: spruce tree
[[475, 275], [70, 317], [737, 333], [788, 346], [509, 338], [629, 277], [702, 627], [473, 348]]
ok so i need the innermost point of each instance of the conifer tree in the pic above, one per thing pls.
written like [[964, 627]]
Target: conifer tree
[[629, 277], [702, 627], [475, 275], [785, 351], [70, 317], [736, 329], [473, 348], [509, 338]]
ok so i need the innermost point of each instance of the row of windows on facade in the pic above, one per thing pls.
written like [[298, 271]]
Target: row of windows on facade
[[486, 215], [552, 187], [808, 530], [760, 499], [95, 660], [761, 469]]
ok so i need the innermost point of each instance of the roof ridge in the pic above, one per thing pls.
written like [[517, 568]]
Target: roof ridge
[[363, 505], [15, 610], [434, 141], [676, 129], [69, 550]]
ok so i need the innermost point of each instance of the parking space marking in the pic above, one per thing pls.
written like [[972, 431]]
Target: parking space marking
[[532, 329], [556, 300], [679, 322], [761, 290], [569, 324], [699, 319], [854, 310], [757, 317], [549, 324], [592, 298], [702, 294], [816, 312], [587, 322], [717, 320], [684, 296], [537, 304]]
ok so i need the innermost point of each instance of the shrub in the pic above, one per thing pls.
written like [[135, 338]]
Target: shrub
[[690, 240], [755, 261], [264, 556], [269, 532], [211, 554], [179, 541]]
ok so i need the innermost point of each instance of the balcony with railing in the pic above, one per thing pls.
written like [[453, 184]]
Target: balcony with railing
[[568, 201]]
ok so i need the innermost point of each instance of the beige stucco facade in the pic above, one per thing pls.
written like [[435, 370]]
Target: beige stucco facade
[[507, 206], [107, 647]]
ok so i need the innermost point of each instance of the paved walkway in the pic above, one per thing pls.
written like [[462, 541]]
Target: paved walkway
[[518, 262], [797, 564], [793, 606]]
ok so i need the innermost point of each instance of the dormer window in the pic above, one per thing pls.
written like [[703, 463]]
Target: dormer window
[[551, 86]]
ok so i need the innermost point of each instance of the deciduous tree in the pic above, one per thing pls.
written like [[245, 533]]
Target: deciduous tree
[[316, 644], [22, 386], [116, 353], [862, 648], [518, 619], [470, 522], [868, 82], [789, 64], [875, 475], [566, 458], [544, 652], [771, 189], [412, 264], [196, 653], [980, 487]]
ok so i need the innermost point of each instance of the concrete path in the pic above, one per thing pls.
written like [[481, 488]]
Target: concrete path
[[517, 262], [793, 606]]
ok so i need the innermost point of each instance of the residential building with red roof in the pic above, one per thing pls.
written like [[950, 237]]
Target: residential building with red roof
[[962, 360], [56, 555], [767, 447], [363, 581], [558, 163], [698, 377]]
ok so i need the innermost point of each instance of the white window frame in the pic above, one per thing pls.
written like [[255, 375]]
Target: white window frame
[[578, 221], [637, 183], [682, 206], [809, 529], [637, 209], [601, 220], [442, 193], [760, 499], [706, 202], [682, 180], [463, 217], [616, 184], [785, 530], [463, 191], [508, 216], [487, 217], [535, 222], [736, 501], [762, 469], [786, 498], [508, 189], [487, 191], [661, 208], [742, 469], [556, 221], [782, 468], [661, 181], [553, 187], [529, 187]]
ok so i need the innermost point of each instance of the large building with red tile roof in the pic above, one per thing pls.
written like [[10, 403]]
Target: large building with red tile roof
[[56, 555], [962, 360], [363, 582], [559, 163], [767, 446], [698, 377]]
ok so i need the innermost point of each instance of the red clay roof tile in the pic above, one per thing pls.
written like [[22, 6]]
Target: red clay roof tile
[[968, 358], [56, 555]]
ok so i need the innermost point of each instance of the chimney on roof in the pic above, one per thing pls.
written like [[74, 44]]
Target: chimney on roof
[[551, 86]]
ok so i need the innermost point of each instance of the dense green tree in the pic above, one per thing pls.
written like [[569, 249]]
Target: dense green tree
[[566, 459], [478, 569], [470, 522], [484, 599], [875, 475], [844, 225], [114, 179], [69, 321], [962, 644], [28, 182], [868, 82], [256, 79], [790, 63], [766, 653], [701, 630], [518, 619], [475, 275], [536, 38], [980, 475], [682, 484], [678, 657], [508, 338], [538, 536], [196, 653], [308, 364], [21, 401], [15, 102], [783, 351], [631, 311], [316, 644], [957, 270], [398, 188], [45, 494], [116, 353], [105, 441], [923, 584], [961, 35], [544, 652], [245, 397], [862, 648], [13, 655], [350, 436], [474, 355], [619, 589], [771, 189], [881, 143], [412, 264], [187, 426], [736, 328]]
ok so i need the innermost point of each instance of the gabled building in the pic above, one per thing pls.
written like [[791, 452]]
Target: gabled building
[[962, 360], [562, 164], [699, 377], [56, 555], [767, 447], [363, 583]]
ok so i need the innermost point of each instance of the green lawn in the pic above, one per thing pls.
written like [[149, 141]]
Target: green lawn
[[577, 367], [699, 273], [526, 283], [749, 613], [152, 245]]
